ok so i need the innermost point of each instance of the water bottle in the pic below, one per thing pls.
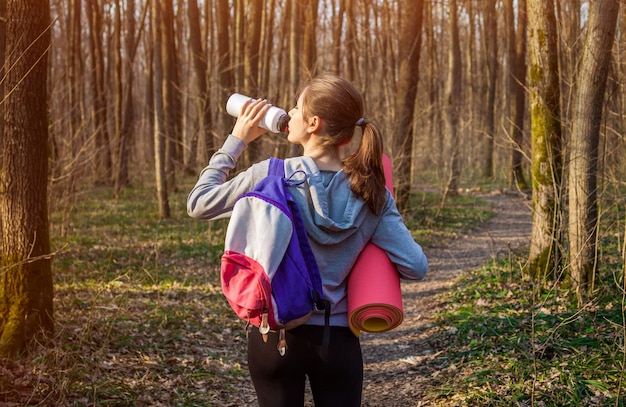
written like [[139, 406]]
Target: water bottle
[[276, 119]]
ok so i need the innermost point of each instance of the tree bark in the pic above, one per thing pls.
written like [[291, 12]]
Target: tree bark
[[103, 163], [583, 163], [171, 93], [408, 77], [337, 33], [202, 96], [26, 291], [453, 101], [159, 112], [491, 41], [517, 91], [225, 66], [119, 97], [128, 114], [546, 170]]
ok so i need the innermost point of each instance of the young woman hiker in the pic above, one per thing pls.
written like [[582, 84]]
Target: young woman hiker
[[345, 205]]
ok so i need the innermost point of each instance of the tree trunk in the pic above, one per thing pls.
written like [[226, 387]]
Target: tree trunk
[[491, 40], [103, 166], [128, 119], [351, 43], [26, 291], [309, 42], [269, 18], [171, 96], [202, 96], [453, 101], [408, 77], [586, 121], [119, 97], [295, 42], [337, 33], [517, 91], [159, 112], [252, 47], [545, 246], [3, 32], [225, 67]]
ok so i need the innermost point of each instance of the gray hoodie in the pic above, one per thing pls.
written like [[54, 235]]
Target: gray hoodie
[[338, 223]]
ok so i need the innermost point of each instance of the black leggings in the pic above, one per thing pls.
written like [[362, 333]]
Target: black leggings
[[335, 375]]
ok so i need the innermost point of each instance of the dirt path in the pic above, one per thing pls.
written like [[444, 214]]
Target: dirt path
[[400, 365]]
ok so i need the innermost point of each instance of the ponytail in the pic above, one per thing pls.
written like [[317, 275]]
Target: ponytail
[[365, 168], [340, 105]]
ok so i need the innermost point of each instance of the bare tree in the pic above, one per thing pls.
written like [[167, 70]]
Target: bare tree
[[159, 113], [338, 13], [3, 31], [517, 92], [26, 293], [202, 96], [126, 98], [583, 163], [103, 163], [171, 92], [491, 41], [408, 77], [225, 64], [309, 41], [453, 101], [547, 167]]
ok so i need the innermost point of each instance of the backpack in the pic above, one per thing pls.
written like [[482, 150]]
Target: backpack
[[269, 274]]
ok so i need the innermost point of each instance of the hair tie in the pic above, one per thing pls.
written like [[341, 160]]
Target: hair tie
[[360, 122]]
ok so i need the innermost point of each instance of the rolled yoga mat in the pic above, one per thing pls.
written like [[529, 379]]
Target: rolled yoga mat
[[374, 293]]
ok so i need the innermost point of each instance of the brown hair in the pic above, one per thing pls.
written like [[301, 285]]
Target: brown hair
[[340, 106]]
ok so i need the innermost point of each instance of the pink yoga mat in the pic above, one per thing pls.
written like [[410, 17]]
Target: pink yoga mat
[[374, 293]]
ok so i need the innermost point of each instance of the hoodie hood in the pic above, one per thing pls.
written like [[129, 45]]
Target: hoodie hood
[[333, 213]]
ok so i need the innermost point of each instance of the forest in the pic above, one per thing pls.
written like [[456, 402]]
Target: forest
[[111, 108]]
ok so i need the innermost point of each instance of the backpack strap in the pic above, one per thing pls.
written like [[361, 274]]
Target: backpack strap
[[277, 167]]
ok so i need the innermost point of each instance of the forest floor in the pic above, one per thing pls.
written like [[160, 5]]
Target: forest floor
[[127, 342]]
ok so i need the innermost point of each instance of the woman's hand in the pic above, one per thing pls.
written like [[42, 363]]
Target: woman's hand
[[247, 125]]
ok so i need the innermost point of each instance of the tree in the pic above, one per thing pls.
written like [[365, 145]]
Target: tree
[[517, 92], [3, 26], [491, 39], [171, 88], [125, 98], [583, 163], [252, 48], [202, 97], [102, 163], [224, 57], [547, 168], [26, 292], [160, 127], [408, 77], [453, 101]]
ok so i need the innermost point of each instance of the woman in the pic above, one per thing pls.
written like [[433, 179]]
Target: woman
[[344, 205]]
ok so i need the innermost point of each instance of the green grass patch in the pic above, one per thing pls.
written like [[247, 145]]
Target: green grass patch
[[433, 221], [507, 346]]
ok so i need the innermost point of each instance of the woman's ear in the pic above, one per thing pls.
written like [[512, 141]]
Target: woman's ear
[[315, 124]]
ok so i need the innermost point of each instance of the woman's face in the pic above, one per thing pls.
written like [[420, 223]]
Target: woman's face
[[297, 124]]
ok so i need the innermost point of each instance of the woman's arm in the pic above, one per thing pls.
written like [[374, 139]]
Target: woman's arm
[[212, 195], [393, 237]]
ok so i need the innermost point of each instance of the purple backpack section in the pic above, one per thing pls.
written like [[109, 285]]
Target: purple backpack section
[[269, 274]]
